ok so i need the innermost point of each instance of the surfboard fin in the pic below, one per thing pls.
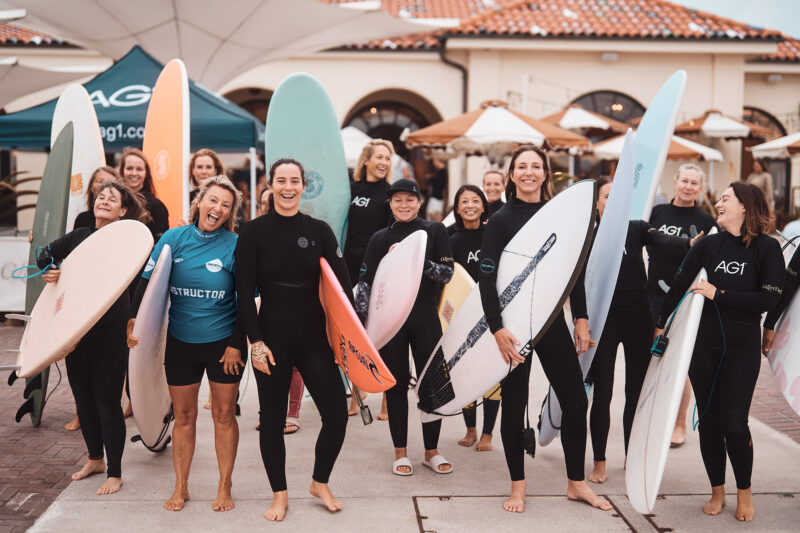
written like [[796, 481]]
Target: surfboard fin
[[24, 409], [12, 377], [436, 389], [13, 316], [34, 384]]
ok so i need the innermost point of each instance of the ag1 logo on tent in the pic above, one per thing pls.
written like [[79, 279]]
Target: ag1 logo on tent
[[128, 96], [161, 165]]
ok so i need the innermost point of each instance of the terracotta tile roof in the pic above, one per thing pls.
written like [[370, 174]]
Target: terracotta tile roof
[[788, 52], [11, 35]]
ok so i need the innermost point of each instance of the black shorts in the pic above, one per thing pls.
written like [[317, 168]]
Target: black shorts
[[185, 362]]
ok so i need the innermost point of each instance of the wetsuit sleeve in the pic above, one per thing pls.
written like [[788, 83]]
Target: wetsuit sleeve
[[790, 285], [577, 298], [246, 257], [683, 279], [237, 338], [372, 257], [57, 250], [160, 223], [138, 295], [333, 255], [771, 272], [650, 236], [440, 268], [491, 248], [151, 263]]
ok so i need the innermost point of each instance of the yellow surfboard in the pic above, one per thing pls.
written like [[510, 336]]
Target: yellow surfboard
[[166, 140]]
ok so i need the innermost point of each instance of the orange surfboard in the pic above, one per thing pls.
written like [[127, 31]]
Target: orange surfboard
[[166, 140], [351, 346]]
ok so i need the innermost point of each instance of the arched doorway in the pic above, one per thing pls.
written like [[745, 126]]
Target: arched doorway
[[253, 99], [779, 168]]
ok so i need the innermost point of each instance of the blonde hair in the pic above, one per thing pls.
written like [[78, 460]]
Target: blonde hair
[[360, 172], [494, 171], [691, 166], [224, 183]]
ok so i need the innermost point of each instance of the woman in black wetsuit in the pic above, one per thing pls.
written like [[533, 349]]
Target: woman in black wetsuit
[[135, 171], [85, 219], [493, 186], [527, 189], [96, 365], [745, 279], [421, 330], [471, 211], [278, 254]]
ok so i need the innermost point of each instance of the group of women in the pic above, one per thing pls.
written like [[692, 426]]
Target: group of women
[[217, 275]]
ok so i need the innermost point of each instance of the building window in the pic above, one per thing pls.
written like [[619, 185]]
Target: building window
[[387, 120], [780, 169], [611, 104]]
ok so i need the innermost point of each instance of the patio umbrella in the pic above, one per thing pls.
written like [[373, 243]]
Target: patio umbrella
[[574, 117], [679, 148], [216, 40], [779, 148], [18, 79], [714, 124], [354, 140]]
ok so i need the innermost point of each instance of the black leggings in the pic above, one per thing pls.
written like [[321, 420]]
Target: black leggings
[[724, 426], [635, 332], [96, 371], [421, 331], [559, 360], [490, 409], [310, 353]]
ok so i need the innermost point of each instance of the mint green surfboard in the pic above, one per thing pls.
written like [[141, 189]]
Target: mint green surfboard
[[301, 124], [49, 223]]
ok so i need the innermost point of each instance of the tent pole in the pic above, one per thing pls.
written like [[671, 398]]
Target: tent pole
[[253, 191]]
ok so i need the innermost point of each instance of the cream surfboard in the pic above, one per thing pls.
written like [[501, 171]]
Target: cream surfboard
[[784, 357], [454, 294], [166, 140]]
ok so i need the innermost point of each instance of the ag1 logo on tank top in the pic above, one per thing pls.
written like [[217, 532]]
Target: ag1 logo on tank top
[[215, 265], [314, 185], [731, 267]]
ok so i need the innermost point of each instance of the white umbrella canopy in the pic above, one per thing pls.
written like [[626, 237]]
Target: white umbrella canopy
[[497, 129], [574, 117], [353, 140], [714, 124], [679, 148], [778, 148], [17, 79], [216, 40]]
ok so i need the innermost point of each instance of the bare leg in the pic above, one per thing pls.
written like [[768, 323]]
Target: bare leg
[[112, 485], [470, 438], [321, 491], [92, 466], [354, 409], [744, 505], [384, 414], [184, 406], [581, 491], [715, 505], [679, 433], [226, 439], [280, 503], [485, 444], [598, 475], [399, 453], [516, 502]]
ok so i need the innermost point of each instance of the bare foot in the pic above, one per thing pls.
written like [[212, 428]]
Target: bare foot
[[598, 475], [207, 405], [354, 409], [485, 444], [112, 485], [74, 424], [580, 491], [715, 505], [224, 501], [678, 437], [321, 491], [516, 502], [744, 505], [384, 414], [470, 438], [280, 503], [177, 500], [92, 466]]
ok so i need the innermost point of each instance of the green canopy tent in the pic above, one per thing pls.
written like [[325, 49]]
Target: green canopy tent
[[120, 96]]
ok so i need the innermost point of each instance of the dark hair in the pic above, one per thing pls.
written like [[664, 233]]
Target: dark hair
[[89, 195], [469, 188], [148, 176], [269, 200], [134, 203], [274, 167], [757, 218], [602, 181], [219, 169], [511, 187]]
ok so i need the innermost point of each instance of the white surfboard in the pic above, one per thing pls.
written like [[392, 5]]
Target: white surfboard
[[394, 288], [658, 404], [75, 106], [92, 277], [537, 269], [150, 400], [602, 269], [784, 357]]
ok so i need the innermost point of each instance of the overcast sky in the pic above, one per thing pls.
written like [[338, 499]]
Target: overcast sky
[[783, 15]]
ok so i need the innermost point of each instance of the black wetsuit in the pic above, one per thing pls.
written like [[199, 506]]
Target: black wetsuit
[[466, 245], [494, 207], [789, 290], [369, 212], [96, 369], [158, 212], [422, 330], [669, 219], [555, 349], [85, 219], [749, 280], [279, 256], [628, 322]]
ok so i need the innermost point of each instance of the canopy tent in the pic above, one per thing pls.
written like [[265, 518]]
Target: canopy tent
[[715, 124], [589, 123], [679, 149], [781, 147], [120, 96], [17, 78]]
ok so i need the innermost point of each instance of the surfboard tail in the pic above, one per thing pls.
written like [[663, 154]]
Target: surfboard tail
[[436, 389]]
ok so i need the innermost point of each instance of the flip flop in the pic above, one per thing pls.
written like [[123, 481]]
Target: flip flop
[[291, 423], [437, 461], [403, 461]]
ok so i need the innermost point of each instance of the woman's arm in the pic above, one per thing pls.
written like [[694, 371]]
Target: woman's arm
[[440, 267], [246, 258]]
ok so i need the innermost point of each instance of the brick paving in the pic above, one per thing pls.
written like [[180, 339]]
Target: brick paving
[[770, 407]]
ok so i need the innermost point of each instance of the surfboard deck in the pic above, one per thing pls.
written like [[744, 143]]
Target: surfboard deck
[[92, 278], [74, 105], [784, 357], [166, 140], [302, 124], [150, 399], [454, 294], [355, 353], [394, 288], [602, 270], [536, 272]]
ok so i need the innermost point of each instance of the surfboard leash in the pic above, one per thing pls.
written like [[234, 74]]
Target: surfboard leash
[[39, 271]]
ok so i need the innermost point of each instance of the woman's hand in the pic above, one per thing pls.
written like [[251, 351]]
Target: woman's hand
[[583, 339], [261, 356], [231, 361], [767, 340], [392, 247], [508, 343], [705, 288], [696, 238], [132, 341], [51, 276]]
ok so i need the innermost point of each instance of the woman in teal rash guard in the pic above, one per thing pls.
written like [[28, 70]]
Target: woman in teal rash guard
[[202, 335]]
